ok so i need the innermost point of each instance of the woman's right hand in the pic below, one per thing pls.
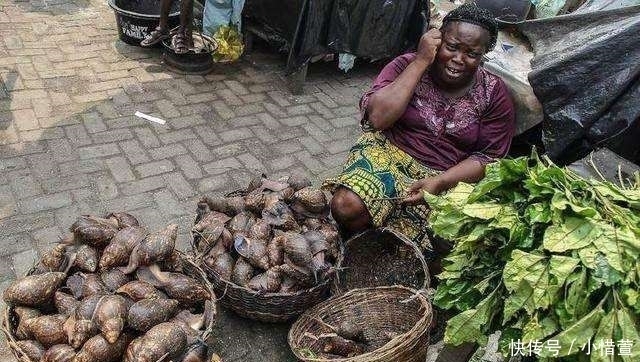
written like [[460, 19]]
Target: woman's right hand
[[428, 46]]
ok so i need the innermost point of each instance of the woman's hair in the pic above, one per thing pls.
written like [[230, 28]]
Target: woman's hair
[[471, 13]]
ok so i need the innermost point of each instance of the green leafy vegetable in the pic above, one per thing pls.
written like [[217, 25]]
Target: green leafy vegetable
[[542, 255]]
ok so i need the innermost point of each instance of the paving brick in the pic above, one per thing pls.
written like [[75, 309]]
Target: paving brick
[[223, 110], [236, 87], [251, 162], [168, 204], [23, 261], [120, 169], [46, 238], [143, 185], [81, 166], [42, 165], [189, 166], [279, 98], [166, 108], [249, 109], [231, 149], [179, 185], [298, 110], [236, 134], [93, 122], [41, 134], [9, 164], [25, 186], [281, 163], [112, 136], [288, 147], [21, 223], [62, 150], [176, 136], [154, 168], [294, 121], [65, 183], [8, 205], [151, 218], [134, 151], [208, 135], [222, 166], [77, 134], [209, 184], [25, 119], [229, 97], [132, 202], [311, 145], [147, 137], [167, 151], [107, 149], [45, 202], [199, 150], [326, 100], [14, 244], [344, 122]]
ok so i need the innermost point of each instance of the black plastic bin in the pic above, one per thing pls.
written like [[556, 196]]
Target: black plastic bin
[[138, 18]]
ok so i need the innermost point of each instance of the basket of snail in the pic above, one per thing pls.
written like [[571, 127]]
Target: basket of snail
[[268, 250], [379, 324], [110, 291]]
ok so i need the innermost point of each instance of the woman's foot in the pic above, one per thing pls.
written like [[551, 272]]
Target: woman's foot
[[156, 36]]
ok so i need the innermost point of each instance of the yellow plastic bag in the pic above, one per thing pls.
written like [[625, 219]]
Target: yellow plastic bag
[[229, 42]]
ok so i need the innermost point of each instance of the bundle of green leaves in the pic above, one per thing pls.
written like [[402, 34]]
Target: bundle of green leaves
[[542, 255]]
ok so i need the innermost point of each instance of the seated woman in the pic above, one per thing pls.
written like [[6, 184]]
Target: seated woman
[[432, 119]]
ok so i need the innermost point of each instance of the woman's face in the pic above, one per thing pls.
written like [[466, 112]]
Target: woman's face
[[460, 54]]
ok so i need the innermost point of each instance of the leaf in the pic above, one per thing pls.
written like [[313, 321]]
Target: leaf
[[538, 213], [560, 202], [447, 225], [497, 174], [614, 244], [522, 266], [629, 333], [604, 272], [540, 281], [606, 331], [577, 334], [469, 325], [574, 233], [484, 211], [560, 267], [536, 330]]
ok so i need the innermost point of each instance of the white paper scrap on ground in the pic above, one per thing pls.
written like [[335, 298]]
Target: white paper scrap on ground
[[150, 118]]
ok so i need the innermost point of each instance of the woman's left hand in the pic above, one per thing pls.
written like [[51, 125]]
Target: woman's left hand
[[433, 185]]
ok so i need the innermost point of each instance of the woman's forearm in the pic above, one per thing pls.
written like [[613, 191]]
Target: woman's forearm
[[390, 102], [469, 170]]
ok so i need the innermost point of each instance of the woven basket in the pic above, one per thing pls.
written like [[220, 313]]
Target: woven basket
[[380, 257], [10, 319], [378, 312], [260, 306]]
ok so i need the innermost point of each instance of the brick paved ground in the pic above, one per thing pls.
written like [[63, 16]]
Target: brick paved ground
[[70, 145]]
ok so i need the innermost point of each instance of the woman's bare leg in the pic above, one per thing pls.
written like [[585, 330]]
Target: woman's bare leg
[[349, 211]]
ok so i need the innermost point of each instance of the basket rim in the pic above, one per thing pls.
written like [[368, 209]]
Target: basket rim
[[256, 293], [337, 284], [7, 328], [419, 328]]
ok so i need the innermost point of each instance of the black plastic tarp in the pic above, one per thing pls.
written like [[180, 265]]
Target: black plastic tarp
[[586, 74], [371, 29]]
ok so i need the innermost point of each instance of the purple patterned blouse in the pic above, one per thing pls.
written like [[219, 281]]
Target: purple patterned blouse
[[441, 132]]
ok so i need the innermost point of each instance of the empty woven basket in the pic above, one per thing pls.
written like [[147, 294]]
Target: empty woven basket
[[394, 320], [379, 258]]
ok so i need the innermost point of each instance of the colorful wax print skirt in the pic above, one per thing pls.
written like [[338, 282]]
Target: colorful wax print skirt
[[376, 169]]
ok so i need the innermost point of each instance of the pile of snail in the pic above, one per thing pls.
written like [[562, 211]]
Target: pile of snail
[[277, 238], [110, 291]]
